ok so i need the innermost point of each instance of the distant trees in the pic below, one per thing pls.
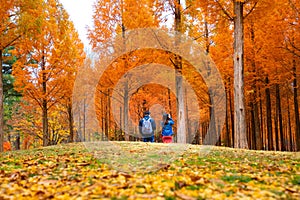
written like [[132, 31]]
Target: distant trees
[[254, 43]]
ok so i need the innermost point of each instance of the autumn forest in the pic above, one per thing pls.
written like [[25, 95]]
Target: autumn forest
[[231, 79]]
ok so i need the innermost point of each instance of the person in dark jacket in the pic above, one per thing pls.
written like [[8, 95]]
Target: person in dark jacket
[[147, 136], [167, 130]]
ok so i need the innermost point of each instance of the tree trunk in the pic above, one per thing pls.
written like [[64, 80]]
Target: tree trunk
[[253, 125], [181, 115], [269, 116], [231, 116], [263, 143], [84, 118], [1, 105], [258, 137], [278, 105], [296, 107], [239, 104], [71, 120], [45, 106], [290, 133], [126, 109], [227, 134], [17, 141]]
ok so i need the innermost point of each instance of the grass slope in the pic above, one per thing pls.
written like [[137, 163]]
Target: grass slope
[[136, 170]]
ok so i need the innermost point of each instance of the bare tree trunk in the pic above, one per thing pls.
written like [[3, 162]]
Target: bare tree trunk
[[181, 115], [169, 101], [1, 105], [231, 116], [227, 134], [269, 116], [296, 107], [71, 120], [45, 106], [278, 105], [126, 97], [290, 133], [262, 131], [252, 124], [256, 126], [126, 104], [84, 118], [258, 137], [239, 102]]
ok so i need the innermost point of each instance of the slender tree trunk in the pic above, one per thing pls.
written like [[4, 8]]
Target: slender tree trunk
[[296, 107], [276, 127], [239, 101], [1, 105], [84, 118], [71, 120], [258, 137], [269, 116], [108, 113], [169, 101], [253, 125], [181, 115], [262, 131], [231, 116], [45, 106], [290, 133], [278, 103], [126, 110], [227, 134], [255, 120], [18, 142]]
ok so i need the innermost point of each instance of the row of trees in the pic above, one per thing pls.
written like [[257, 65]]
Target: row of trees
[[40, 55], [254, 44]]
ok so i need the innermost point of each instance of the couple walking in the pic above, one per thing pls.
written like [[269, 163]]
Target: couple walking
[[147, 128]]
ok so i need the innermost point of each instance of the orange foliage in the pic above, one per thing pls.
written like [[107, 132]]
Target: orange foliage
[[6, 146], [27, 142]]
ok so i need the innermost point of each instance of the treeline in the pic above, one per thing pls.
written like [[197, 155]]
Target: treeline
[[257, 39], [40, 55]]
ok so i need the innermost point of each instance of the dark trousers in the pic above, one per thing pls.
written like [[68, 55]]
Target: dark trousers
[[149, 139]]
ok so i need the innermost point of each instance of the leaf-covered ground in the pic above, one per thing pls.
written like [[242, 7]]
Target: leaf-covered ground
[[75, 172]]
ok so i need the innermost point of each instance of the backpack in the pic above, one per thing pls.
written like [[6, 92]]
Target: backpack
[[147, 127]]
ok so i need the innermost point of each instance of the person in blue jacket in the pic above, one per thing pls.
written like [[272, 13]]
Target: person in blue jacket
[[148, 136], [167, 130]]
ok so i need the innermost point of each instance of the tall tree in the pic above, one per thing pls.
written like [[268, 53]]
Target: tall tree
[[49, 55], [16, 21]]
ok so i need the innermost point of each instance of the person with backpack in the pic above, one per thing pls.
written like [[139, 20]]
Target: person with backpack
[[167, 131], [147, 127]]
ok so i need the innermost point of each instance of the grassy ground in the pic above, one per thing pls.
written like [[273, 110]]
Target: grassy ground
[[122, 170]]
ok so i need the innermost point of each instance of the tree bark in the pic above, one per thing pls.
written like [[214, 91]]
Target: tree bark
[[227, 134], [290, 133], [296, 107], [254, 104], [239, 103], [1, 105], [126, 110], [71, 120], [231, 116], [181, 115], [269, 116], [45, 106], [278, 105]]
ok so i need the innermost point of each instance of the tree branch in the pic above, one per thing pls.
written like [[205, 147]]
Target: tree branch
[[224, 11], [250, 11]]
